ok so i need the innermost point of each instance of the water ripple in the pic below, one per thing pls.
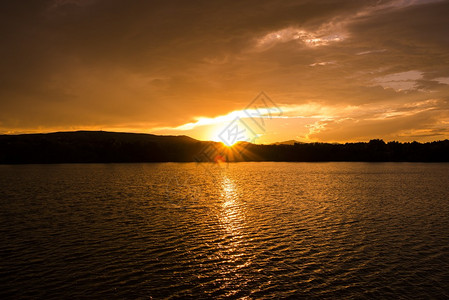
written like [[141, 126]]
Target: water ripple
[[250, 230]]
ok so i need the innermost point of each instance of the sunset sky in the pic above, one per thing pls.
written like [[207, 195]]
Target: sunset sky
[[335, 71]]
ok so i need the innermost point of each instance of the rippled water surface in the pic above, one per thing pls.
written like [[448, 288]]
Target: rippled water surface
[[254, 230]]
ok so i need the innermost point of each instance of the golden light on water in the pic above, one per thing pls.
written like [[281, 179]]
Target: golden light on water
[[233, 221]]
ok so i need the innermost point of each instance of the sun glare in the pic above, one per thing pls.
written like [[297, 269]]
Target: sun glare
[[230, 135], [230, 145]]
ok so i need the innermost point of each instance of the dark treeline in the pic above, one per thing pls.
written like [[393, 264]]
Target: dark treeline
[[108, 147], [374, 151]]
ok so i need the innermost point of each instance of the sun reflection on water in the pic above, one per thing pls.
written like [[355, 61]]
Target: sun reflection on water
[[232, 216], [234, 250]]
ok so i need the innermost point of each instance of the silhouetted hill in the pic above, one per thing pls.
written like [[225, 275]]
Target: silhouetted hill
[[95, 146], [106, 147]]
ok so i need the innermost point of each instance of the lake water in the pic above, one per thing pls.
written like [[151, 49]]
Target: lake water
[[254, 230]]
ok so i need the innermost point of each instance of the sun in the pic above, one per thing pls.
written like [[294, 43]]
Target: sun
[[229, 137], [229, 145]]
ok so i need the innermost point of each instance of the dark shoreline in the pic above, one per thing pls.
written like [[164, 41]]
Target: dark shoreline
[[114, 147]]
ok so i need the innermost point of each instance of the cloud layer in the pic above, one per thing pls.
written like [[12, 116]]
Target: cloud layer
[[143, 65]]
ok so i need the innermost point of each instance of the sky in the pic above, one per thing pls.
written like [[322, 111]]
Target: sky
[[328, 71]]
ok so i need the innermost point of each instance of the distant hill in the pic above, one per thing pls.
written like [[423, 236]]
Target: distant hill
[[289, 142], [117, 147], [96, 146]]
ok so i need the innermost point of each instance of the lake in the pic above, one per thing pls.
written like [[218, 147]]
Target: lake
[[244, 230]]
